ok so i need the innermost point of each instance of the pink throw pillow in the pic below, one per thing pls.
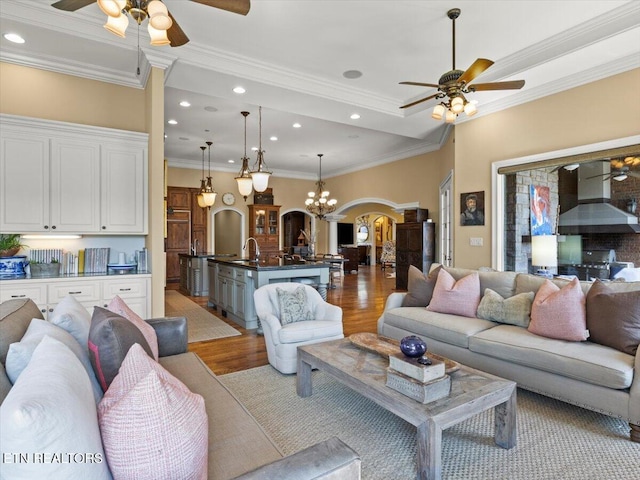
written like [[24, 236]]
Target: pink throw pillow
[[559, 313], [458, 298], [152, 425], [117, 305]]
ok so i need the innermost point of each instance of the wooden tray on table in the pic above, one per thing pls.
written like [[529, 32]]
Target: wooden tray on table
[[386, 346]]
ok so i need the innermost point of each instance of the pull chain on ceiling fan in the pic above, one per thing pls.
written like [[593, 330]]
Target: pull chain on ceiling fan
[[454, 84]]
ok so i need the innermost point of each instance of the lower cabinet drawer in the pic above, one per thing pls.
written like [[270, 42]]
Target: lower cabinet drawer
[[36, 292], [135, 287], [83, 292]]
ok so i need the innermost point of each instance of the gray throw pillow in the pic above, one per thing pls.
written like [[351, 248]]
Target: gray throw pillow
[[293, 306], [514, 310], [15, 317], [420, 287], [110, 338]]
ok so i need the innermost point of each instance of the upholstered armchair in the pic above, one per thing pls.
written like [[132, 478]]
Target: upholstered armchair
[[388, 255], [307, 319]]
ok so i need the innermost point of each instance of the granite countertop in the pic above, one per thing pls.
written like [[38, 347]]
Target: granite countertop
[[267, 263], [206, 255]]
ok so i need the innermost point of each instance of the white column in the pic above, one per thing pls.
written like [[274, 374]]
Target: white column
[[333, 236]]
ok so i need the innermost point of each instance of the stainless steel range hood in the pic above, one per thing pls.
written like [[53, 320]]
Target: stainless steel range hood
[[595, 214]]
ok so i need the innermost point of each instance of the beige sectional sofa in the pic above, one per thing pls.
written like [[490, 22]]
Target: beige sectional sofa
[[238, 447], [583, 373]]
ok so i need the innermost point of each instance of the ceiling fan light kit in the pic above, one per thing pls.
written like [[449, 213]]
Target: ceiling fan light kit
[[454, 84]]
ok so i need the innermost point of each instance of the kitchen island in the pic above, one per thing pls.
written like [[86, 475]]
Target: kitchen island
[[233, 280], [194, 277]]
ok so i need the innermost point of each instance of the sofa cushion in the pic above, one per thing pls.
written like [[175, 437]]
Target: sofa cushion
[[119, 306], [151, 422], [293, 306], [5, 384], [456, 297], [20, 353], [584, 361], [452, 329], [231, 426], [51, 410], [15, 317], [515, 310], [73, 317], [110, 338], [531, 283], [503, 283], [559, 312], [307, 331], [613, 318], [420, 287]]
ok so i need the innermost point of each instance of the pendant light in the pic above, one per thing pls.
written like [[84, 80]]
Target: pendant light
[[203, 184], [318, 203], [209, 193], [245, 183], [260, 176]]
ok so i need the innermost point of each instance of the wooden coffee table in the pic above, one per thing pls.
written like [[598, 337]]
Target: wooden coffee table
[[472, 392]]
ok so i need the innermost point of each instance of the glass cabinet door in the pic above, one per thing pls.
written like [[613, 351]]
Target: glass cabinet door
[[260, 221], [273, 222]]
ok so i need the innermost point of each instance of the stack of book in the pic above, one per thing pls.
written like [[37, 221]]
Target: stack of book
[[95, 260], [424, 383]]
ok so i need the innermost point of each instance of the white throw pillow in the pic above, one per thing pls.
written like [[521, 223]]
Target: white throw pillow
[[20, 353], [50, 416], [73, 317]]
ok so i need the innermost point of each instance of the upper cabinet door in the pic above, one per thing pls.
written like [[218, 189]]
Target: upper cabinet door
[[124, 189], [75, 186], [24, 182]]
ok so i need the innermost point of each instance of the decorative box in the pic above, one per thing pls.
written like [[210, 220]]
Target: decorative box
[[263, 198], [412, 369], [419, 391], [416, 215]]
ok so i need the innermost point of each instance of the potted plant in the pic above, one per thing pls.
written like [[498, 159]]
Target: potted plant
[[42, 269], [11, 265]]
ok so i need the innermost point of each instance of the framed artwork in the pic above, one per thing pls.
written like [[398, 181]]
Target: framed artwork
[[472, 208], [540, 206]]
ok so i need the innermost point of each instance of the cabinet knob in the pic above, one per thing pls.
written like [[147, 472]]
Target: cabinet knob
[[53, 227], [51, 309], [46, 227], [103, 227]]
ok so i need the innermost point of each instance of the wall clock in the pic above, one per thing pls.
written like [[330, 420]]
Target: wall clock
[[228, 198]]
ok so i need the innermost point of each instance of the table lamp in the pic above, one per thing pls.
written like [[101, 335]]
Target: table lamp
[[544, 253]]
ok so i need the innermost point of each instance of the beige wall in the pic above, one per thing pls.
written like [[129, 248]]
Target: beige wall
[[599, 111], [53, 96]]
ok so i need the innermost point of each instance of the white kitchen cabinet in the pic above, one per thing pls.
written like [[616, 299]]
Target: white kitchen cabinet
[[65, 178], [92, 291]]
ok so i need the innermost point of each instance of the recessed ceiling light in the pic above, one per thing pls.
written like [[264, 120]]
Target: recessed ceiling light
[[14, 37], [184, 103], [355, 116], [273, 138], [297, 125], [211, 109], [352, 74], [239, 90], [254, 149], [172, 122], [354, 136], [231, 161]]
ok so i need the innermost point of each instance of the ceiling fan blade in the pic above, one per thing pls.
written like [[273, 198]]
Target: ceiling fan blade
[[235, 6], [419, 101], [175, 34], [512, 85], [612, 174], [633, 174], [476, 68], [71, 5], [418, 84]]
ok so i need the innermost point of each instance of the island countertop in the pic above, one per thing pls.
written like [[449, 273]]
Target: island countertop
[[206, 255], [267, 263]]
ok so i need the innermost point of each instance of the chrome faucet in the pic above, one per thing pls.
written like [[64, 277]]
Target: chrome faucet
[[194, 248], [257, 247]]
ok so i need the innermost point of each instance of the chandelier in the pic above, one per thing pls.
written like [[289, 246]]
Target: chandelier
[[318, 203], [450, 109], [245, 182], [260, 175], [207, 195], [117, 12]]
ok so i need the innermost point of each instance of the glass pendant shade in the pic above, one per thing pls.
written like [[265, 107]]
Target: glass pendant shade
[[438, 112], [245, 185], [208, 198], [470, 109], [450, 117], [158, 37], [457, 105], [201, 202], [117, 25], [260, 180], [158, 15], [113, 8]]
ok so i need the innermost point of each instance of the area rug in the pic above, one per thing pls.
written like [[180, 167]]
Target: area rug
[[555, 440], [201, 324]]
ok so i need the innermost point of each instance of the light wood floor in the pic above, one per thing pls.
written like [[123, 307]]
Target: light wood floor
[[362, 297]]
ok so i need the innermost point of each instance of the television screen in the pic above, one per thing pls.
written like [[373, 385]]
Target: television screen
[[345, 234]]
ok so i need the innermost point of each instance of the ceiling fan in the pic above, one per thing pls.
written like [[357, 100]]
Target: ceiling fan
[[139, 10], [454, 84], [622, 169]]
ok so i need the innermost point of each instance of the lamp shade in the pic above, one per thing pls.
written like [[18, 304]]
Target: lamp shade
[[245, 185], [260, 181], [117, 25], [438, 112], [457, 105], [159, 15], [113, 8], [544, 250], [158, 37]]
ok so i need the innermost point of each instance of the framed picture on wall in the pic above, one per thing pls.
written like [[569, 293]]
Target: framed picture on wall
[[472, 208], [540, 206]]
